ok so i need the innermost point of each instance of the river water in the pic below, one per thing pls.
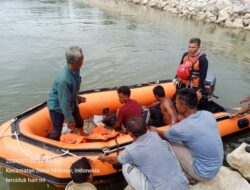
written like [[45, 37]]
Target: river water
[[123, 44]]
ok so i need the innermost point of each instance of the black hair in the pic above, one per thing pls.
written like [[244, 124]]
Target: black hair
[[196, 41], [188, 96], [80, 170], [137, 126], [124, 90], [159, 91]]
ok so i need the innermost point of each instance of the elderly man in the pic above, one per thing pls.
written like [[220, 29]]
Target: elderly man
[[63, 97], [195, 140], [148, 163]]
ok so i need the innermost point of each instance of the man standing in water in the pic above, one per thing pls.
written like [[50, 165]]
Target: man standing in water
[[63, 97]]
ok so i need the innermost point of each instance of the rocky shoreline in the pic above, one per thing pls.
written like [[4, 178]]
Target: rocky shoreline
[[229, 13]]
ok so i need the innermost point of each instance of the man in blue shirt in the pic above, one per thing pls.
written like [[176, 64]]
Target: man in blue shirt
[[195, 140], [63, 97], [148, 163]]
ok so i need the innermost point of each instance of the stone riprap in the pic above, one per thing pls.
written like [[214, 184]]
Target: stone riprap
[[229, 13], [226, 179], [240, 159]]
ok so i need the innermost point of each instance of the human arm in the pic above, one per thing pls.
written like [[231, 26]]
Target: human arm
[[123, 158], [247, 99], [109, 159], [160, 133], [120, 117], [64, 96], [185, 54], [181, 62], [179, 132], [199, 94], [155, 103], [170, 110], [203, 72], [242, 111]]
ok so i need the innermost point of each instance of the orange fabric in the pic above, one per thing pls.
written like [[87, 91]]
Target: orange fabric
[[71, 138], [98, 133], [101, 133], [188, 60]]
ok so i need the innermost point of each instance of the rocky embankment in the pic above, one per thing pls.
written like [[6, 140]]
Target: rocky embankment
[[229, 13]]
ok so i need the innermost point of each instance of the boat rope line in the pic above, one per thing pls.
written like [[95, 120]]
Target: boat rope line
[[4, 131], [65, 152], [107, 151], [55, 148], [70, 153]]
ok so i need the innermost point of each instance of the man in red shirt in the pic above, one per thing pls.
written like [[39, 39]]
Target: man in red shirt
[[130, 107]]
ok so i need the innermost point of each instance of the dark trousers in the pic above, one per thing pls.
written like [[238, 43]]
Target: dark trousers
[[57, 123], [210, 106], [156, 118], [204, 103]]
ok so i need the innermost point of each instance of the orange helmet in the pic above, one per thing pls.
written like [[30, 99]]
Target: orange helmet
[[183, 72]]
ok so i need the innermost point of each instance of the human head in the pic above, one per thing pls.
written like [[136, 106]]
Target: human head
[[123, 93], [80, 171], [159, 92], [74, 57], [194, 45], [136, 126], [186, 100]]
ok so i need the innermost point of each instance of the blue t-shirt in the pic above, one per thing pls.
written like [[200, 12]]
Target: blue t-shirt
[[152, 156], [199, 132]]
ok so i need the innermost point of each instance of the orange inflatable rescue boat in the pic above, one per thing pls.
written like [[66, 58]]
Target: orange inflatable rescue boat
[[26, 150]]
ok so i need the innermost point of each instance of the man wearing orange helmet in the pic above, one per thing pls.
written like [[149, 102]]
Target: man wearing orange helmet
[[193, 67]]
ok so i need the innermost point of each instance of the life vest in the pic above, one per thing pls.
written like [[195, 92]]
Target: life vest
[[189, 71]]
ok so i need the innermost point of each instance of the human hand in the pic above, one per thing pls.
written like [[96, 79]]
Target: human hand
[[175, 81], [81, 99], [102, 158], [232, 115], [109, 159]]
